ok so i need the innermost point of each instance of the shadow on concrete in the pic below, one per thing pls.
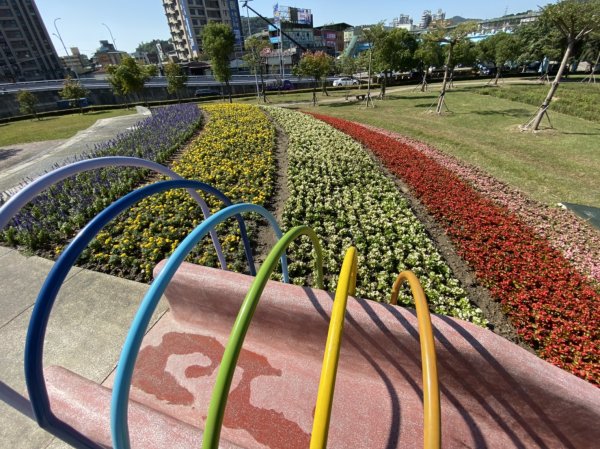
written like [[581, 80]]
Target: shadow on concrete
[[8, 153]]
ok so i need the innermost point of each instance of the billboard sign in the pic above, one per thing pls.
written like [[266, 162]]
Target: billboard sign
[[297, 16], [305, 17]]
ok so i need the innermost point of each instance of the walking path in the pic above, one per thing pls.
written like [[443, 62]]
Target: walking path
[[30, 160], [93, 311]]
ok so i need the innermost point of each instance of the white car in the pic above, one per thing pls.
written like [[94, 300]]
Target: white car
[[346, 81]]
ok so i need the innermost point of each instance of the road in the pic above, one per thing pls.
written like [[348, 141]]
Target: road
[[156, 81]]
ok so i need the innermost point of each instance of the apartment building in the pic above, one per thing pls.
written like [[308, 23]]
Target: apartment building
[[26, 51], [186, 19]]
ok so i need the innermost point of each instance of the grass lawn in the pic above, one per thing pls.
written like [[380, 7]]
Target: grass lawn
[[553, 165], [572, 97], [52, 128]]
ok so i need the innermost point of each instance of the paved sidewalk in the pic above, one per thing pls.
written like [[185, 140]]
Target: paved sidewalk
[[87, 328], [92, 313], [30, 160]]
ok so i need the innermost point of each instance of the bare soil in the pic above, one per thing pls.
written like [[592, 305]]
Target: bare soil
[[266, 237]]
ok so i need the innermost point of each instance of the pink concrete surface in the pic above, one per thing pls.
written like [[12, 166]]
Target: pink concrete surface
[[494, 394], [85, 405]]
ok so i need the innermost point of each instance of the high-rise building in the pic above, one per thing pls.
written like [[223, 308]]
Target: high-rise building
[[187, 18], [26, 51], [439, 16], [402, 21], [425, 19]]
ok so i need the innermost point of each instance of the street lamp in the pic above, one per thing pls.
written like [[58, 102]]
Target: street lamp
[[59, 36], [247, 15], [250, 34], [111, 35]]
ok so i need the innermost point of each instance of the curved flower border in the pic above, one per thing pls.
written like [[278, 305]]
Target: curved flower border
[[336, 188], [234, 153], [578, 242], [553, 307]]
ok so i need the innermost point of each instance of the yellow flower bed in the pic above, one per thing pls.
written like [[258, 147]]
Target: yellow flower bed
[[234, 153]]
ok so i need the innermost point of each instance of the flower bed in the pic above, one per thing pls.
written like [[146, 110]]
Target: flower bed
[[551, 304], [579, 243], [56, 214], [234, 153], [336, 188]]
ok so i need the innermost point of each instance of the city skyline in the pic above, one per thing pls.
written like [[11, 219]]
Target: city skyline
[[83, 25]]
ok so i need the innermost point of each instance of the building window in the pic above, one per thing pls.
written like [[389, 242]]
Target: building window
[[12, 34]]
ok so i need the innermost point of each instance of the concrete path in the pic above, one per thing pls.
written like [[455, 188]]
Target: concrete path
[[86, 331], [93, 311], [30, 160]]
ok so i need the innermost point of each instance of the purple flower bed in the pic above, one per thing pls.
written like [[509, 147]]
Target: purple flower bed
[[578, 242], [56, 214]]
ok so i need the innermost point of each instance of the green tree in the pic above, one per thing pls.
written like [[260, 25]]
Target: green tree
[[464, 54], [129, 77], [218, 41], [575, 19], [499, 48], [429, 54], [73, 91], [316, 65], [27, 103], [373, 35], [150, 47], [176, 78], [591, 54], [393, 51], [346, 65], [440, 33], [538, 39], [255, 61]]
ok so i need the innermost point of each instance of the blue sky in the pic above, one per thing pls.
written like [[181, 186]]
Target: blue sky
[[135, 21]]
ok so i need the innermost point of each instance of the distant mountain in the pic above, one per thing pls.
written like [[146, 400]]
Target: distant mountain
[[458, 19]]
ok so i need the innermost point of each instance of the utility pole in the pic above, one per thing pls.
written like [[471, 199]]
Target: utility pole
[[60, 37], [111, 35], [250, 34]]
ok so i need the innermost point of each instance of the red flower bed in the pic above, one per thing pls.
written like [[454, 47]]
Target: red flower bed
[[552, 306]]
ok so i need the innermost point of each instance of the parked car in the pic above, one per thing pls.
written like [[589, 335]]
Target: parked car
[[206, 92], [488, 69], [345, 81]]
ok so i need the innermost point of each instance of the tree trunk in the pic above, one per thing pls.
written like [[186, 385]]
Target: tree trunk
[[441, 98], [262, 86], [424, 81], [535, 123], [315, 92], [325, 87], [497, 74], [383, 85], [228, 90], [592, 78]]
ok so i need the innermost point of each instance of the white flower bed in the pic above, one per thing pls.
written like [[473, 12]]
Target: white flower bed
[[337, 189]]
